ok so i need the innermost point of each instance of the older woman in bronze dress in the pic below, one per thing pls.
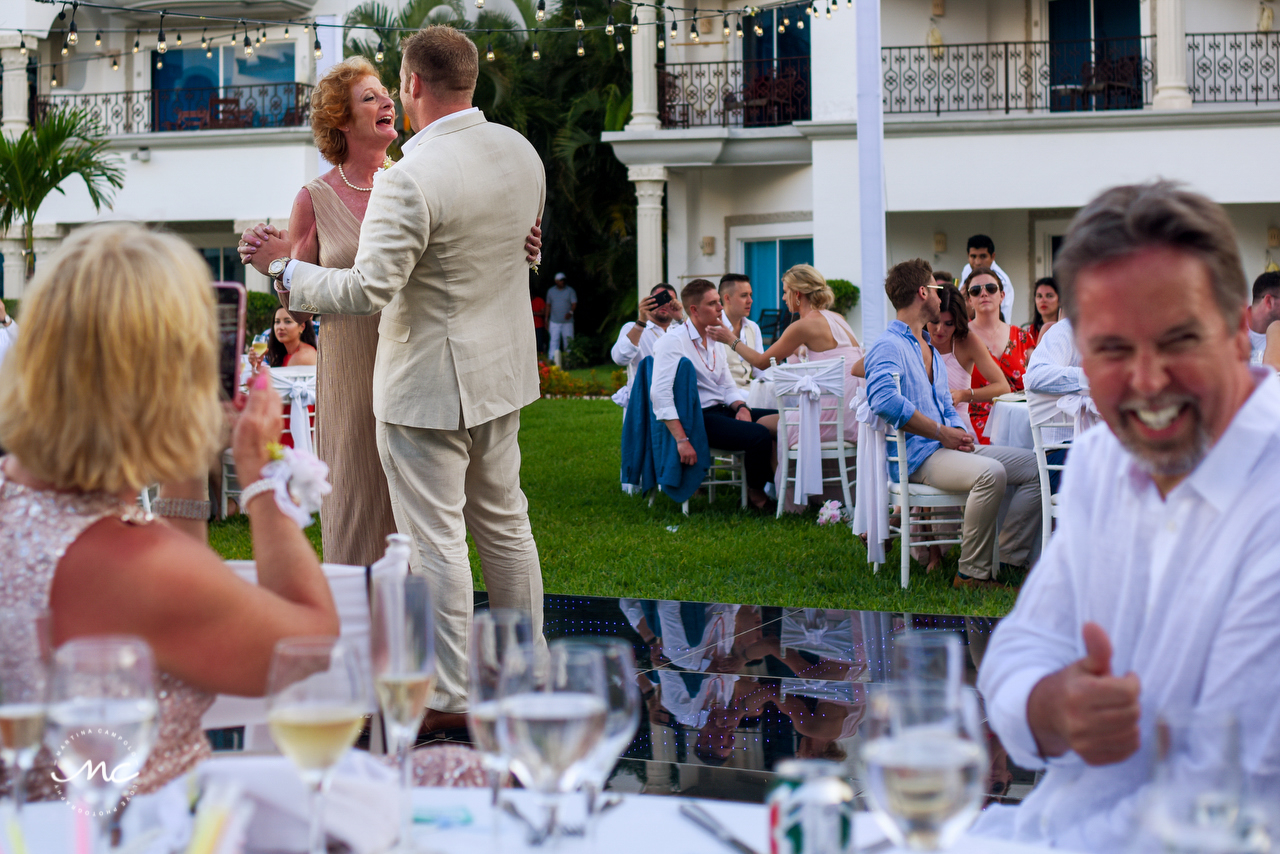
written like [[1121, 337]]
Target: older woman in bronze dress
[[353, 119]]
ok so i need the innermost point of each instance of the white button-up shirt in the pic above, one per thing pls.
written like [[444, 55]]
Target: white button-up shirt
[[629, 355], [710, 363], [1188, 590], [1053, 370]]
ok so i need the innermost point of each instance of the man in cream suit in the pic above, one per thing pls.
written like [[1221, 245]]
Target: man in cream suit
[[442, 257]]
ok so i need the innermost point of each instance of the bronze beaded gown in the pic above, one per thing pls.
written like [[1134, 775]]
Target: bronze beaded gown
[[356, 517]]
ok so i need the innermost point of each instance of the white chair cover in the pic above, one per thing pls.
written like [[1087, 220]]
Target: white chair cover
[[298, 387], [871, 505], [809, 384], [1082, 408], [760, 394]]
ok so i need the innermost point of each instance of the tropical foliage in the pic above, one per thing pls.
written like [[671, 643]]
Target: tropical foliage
[[62, 145], [561, 103]]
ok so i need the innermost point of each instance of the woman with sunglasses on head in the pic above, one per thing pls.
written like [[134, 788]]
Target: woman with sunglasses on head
[[1009, 345]]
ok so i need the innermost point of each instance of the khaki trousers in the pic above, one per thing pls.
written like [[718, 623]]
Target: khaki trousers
[[986, 474], [443, 484]]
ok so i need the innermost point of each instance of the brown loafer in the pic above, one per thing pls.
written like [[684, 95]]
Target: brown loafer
[[964, 582]]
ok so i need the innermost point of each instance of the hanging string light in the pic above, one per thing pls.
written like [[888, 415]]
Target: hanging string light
[[378, 54], [161, 44], [740, 33], [671, 13], [726, 26], [115, 63], [693, 26], [800, 23], [53, 80], [608, 25], [662, 42], [248, 44], [97, 40], [758, 29], [286, 31], [617, 42], [635, 24], [541, 13], [488, 47], [782, 25], [204, 40], [315, 48], [582, 51], [577, 19], [73, 34], [179, 39], [159, 62], [137, 41], [537, 54], [65, 46]]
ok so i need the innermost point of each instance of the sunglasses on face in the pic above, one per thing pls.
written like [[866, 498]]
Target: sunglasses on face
[[991, 287]]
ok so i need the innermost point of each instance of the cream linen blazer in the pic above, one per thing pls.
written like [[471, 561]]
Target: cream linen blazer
[[442, 257]]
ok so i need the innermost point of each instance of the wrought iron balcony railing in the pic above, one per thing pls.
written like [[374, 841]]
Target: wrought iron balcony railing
[[752, 93], [1233, 67], [271, 105], [1091, 74]]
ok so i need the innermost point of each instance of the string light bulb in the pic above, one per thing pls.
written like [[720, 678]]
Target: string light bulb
[[786, 21], [782, 28], [674, 32], [115, 63], [248, 44], [479, 4], [829, 9], [800, 24], [582, 51], [73, 35], [726, 26], [22, 43], [608, 25], [286, 31], [759, 30], [204, 40], [379, 55], [693, 31], [179, 40], [617, 41], [161, 44], [740, 33], [537, 54], [97, 40], [64, 47], [577, 19], [635, 24], [541, 13], [159, 62], [488, 50], [53, 80], [661, 41], [315, 48], [137, 41]]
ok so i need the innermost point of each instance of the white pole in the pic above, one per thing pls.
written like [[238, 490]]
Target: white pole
[[871, 197]]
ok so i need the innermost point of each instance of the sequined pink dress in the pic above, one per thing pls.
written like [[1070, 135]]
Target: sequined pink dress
[[36, 529]]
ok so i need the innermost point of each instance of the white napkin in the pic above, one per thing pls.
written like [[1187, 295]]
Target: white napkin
[[1082, 408], [362, 808]]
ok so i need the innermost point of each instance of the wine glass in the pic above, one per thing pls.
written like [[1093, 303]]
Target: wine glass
[[927, 656], [924, 763], [25, 652], [316, 703], [101, 722], [494, 634], [404, 669], [623, 700], [551, 716]]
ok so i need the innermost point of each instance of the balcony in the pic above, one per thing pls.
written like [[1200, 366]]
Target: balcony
[[1233, 67], [273, 105], [752, 93]]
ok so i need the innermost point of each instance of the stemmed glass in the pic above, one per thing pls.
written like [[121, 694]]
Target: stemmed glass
[[928, 657], [551, 716], [25, 650], [494, 634], [404, 669], [316, 703], [101, 722], [924, 763], [623, 700]]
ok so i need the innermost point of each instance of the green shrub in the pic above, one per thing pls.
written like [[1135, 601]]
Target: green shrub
[[847, 295], [11, 307], [260, 313], [583, 352]]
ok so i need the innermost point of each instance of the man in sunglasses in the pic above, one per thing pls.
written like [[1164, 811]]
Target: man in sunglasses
[[982, 253]]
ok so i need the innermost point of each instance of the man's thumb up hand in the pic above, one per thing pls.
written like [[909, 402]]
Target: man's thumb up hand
[[1097, 646]]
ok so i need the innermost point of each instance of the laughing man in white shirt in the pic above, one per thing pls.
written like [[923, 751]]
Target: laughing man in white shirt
[[730, 424], [1159, 591]]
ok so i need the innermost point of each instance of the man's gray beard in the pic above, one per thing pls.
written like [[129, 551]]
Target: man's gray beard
[[1170, 463]]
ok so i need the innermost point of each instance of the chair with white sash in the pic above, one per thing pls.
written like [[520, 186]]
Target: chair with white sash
[[1052, 435], [810, 399]]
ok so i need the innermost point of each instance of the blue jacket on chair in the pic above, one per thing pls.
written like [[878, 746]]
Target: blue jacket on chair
[[649, 453]]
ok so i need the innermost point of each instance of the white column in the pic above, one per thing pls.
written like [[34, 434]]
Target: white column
[[14, 63], [644, 71], [15, 272], [650, 181], [871, 193], [1171, 57]]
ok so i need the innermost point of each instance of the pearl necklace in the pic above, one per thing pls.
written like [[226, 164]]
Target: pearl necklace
[[343, 176]]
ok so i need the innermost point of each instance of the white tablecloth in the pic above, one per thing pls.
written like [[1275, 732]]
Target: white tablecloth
[[1010, 424]]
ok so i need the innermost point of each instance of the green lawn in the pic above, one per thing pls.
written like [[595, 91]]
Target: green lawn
[[594, 540]]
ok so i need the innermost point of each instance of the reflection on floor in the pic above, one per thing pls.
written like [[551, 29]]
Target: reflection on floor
[[731, 690]]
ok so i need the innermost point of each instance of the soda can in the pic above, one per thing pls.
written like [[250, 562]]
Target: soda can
[[810, 809]]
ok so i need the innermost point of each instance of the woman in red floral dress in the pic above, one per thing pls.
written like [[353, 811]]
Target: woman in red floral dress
[[1009, 345]]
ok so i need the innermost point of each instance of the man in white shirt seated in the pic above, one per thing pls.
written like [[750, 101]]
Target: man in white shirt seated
[[982, 253], [1052, 371], [1159, 592], [730, 424], [735, 296], [1264, 311], [636, 340]]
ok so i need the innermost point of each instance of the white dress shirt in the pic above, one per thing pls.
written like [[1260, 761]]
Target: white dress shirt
[[628, 355], [744, 372], [710, 364], [1006, 302], [1053, 370], [1257, 346], [1186, 587]]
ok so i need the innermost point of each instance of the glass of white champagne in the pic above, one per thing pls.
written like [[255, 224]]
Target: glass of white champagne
[[25, 653], [623, 698], [404, 670], [494, 633], [924, 763], [551, 716], [101, 722], [316, 703]]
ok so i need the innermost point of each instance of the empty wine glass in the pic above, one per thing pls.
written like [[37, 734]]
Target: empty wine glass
[[623, 700], [101, 722], [494, 633], [924, 763], [316, 703], [404, 668], [25, 652], [551, 716], [924, 656]]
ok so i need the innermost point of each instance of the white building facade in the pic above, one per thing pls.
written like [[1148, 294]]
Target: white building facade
[[1001, 117]]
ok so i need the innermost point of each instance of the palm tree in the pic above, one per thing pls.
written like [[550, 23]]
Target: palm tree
[[64, 143]]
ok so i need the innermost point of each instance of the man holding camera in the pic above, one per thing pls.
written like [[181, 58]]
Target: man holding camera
[[658, 312]]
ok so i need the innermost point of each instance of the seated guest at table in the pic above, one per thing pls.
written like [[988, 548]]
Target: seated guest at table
[[730, 424], [735, 296], [940, 452], [962, 353], [1008, 344], [819, 334], [636, 339], [291, 342], [1262, 312], [1045, 310], [1053, 370], [1158, 594], [86, 433]]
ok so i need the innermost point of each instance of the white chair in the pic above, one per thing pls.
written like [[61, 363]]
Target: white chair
[[829, 411], [732, 463], [909, 497], [1061, 421], [297, 387]]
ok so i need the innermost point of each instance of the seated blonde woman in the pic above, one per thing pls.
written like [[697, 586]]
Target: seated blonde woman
[[87, 425]]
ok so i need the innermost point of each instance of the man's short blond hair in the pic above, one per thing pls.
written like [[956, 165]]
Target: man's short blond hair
[[444, 59], [112, 383]]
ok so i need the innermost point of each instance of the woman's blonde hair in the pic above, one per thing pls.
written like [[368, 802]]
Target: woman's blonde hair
[[112, 383], [331, 106], [804, 279]]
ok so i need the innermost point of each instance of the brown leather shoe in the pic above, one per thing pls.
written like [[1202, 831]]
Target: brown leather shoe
[[964, 582]]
